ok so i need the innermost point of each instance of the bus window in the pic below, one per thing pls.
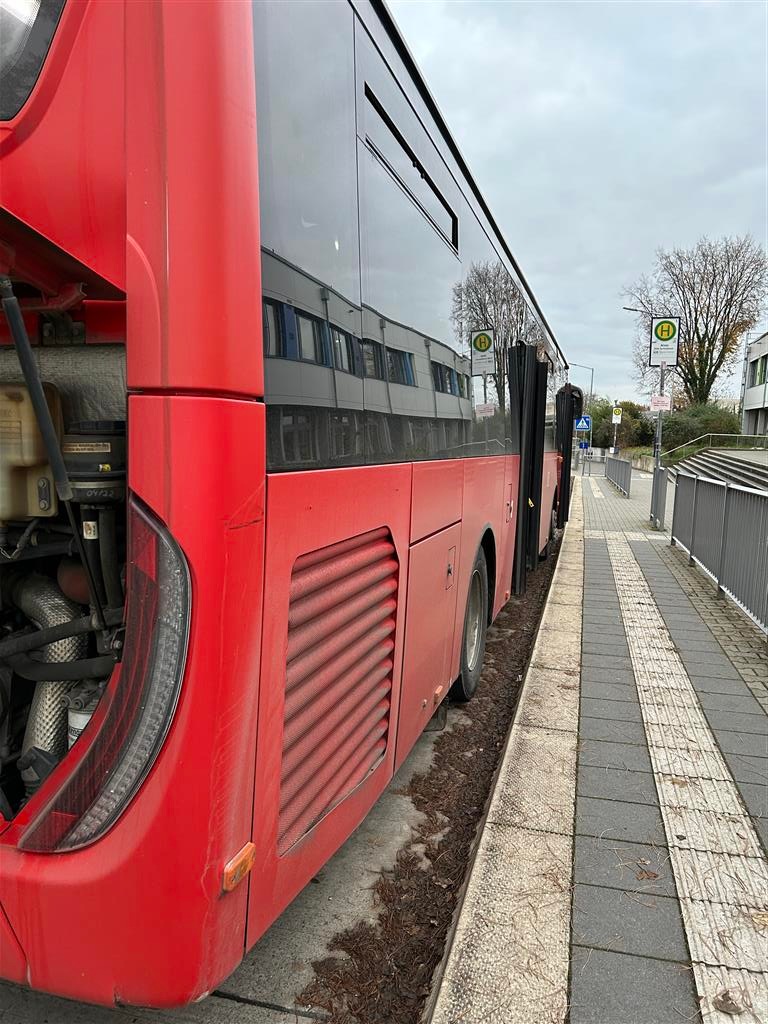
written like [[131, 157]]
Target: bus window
[[26, 31]]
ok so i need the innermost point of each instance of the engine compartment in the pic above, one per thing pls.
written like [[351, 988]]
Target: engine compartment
[[61, 618]]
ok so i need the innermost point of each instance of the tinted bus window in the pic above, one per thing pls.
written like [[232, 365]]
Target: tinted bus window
[[26, 31]]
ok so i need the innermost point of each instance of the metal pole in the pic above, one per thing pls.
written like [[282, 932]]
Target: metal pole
[[657, 442], [693, 519], [723, 539]]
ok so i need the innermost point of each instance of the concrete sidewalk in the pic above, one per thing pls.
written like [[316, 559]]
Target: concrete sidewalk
[[622, 878]]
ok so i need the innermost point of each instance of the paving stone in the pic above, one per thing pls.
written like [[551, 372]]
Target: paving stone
[[708, 665], [606, 660], [595, 674], [613, 988], [761, 827], [745, 768], [613, 864], [594, 619], [745, 704], [690, 644], [605, 629], [755, 796], [615, 731], [615, 819], [647, 925], [613, 710], [735, 722], [616, 784], [714, 684], [740, 743], [624, 756], [609, 691], [596, 652]]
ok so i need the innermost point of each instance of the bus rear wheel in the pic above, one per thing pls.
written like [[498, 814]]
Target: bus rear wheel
[[475, 631]]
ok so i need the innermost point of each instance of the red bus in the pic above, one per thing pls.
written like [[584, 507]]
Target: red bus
[[256, 513]]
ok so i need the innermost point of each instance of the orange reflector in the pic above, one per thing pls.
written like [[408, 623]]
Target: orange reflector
[[236, 870]]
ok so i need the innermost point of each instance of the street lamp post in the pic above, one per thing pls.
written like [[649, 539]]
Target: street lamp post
[[591, 382]]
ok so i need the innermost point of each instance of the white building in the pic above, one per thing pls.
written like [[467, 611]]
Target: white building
[[754, 394]]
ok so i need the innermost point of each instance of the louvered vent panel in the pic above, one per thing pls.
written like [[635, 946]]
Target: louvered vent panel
[[341, 640]]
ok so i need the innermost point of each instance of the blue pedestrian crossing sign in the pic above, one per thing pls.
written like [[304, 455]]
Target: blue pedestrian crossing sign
[[584, 423]]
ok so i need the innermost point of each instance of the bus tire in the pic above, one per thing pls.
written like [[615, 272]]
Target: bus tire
[[475, 631], [552, 539]]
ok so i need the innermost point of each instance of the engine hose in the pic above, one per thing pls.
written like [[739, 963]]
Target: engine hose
[[50, 673], [42, 602], [41, 637], [110, 571]]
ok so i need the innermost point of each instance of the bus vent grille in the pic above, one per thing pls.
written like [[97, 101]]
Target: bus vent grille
[[341, 641]]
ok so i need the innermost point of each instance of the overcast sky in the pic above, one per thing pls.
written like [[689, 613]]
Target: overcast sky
[[597, 133]]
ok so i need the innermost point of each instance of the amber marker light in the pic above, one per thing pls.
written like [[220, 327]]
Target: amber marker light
[[236, 869]]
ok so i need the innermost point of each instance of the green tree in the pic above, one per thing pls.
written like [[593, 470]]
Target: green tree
[[635, 429]]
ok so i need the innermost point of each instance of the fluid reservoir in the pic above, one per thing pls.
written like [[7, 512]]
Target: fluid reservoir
[[26, 481]]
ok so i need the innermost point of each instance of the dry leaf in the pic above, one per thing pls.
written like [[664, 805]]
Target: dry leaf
[[643, 874], [725, 1002]]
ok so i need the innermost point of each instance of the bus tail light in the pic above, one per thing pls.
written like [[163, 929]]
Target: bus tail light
[[134, 715]]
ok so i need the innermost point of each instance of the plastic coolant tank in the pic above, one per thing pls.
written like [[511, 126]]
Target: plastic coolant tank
[[26, 481]]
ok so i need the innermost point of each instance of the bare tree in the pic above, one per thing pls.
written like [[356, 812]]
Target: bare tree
[[718, 289], [489, 298]]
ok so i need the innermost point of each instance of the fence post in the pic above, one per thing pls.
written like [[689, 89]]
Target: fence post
[[674, 511], [723, 534], [693, 519]]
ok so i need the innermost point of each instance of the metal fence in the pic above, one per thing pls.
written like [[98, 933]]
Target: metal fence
[[619, 472], [724, 527], [658, 497]]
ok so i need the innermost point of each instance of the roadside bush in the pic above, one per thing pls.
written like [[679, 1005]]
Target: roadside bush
[[695, 420]]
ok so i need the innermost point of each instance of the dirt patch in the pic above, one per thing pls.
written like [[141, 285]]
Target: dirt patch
[[385, 970]]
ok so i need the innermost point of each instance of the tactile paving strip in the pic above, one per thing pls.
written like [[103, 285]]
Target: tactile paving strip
[[716, 857]]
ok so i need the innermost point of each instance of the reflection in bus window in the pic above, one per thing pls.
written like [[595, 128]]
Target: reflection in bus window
[[310, 342], [345, 438], [400, 367], [343, 354], [273, 345], [373, 359], [299, 438]]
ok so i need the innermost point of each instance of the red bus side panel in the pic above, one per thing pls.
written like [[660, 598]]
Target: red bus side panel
[[305, 512]]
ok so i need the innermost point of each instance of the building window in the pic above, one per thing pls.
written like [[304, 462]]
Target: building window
[[464, 385], [373, 359], [400, 367], [273, 341], [310, 341]]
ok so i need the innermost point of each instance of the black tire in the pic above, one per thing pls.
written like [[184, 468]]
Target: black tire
[[475, 631]]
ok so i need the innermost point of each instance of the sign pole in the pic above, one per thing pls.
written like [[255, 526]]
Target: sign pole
[[657, 443]]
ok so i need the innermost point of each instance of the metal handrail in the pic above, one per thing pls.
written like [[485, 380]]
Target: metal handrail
[[751, 437], [723, 483]]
